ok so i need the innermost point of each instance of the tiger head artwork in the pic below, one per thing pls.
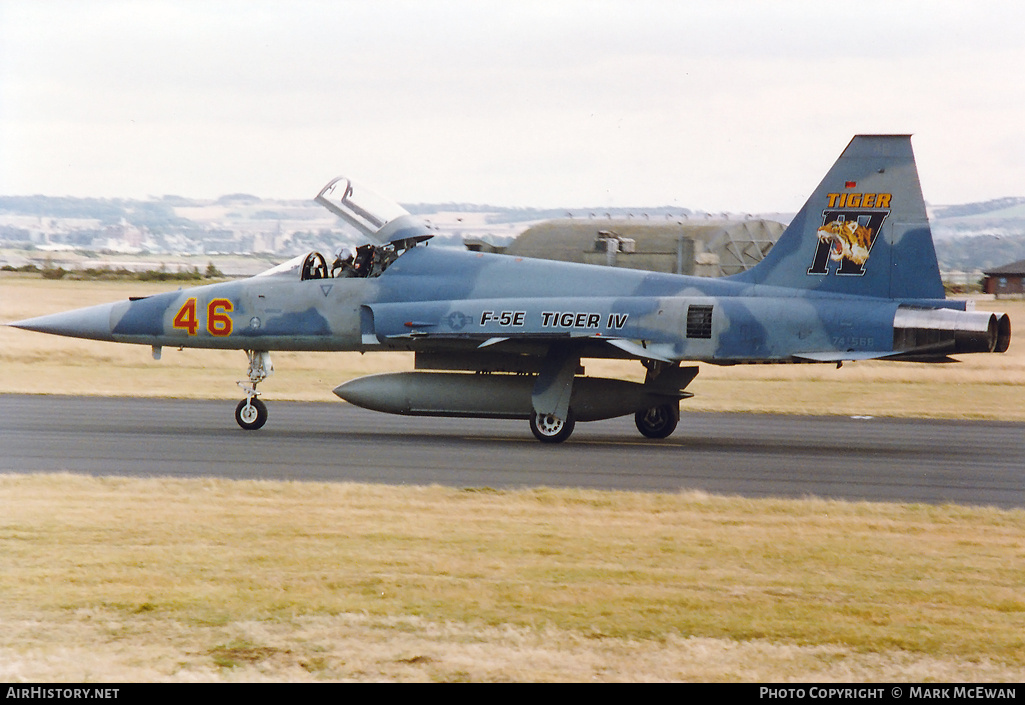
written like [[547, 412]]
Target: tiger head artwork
[[848, 240]]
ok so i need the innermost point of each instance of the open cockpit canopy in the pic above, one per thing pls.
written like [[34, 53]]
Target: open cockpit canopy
[[389, 226], [376, 217]]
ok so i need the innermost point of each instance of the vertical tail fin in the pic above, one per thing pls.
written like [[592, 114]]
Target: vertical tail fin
[[863, 232]]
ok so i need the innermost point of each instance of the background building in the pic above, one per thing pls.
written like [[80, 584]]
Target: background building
[[1008, 280], [708, 248]]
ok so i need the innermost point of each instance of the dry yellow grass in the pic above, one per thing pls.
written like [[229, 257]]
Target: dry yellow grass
[[114, 579], [981, 386]]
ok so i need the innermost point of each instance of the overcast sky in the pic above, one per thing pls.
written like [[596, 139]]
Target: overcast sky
[[738, 106]]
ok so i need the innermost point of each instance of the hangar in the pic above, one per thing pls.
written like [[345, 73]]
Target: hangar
[[710, 248], [1008, 280]]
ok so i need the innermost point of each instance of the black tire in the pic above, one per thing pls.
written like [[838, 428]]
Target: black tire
[[658, 421], [251, 415], [548, 429]]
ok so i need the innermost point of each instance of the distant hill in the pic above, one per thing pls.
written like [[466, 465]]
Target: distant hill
[[1013, 207], [968, 236], [103, 209], [503, 214], [969, 253], [234, 198]]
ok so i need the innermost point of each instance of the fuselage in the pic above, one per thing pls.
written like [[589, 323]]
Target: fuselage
[[433, 298]]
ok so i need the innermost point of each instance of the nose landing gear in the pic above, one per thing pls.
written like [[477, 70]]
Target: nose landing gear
[[251, 413]]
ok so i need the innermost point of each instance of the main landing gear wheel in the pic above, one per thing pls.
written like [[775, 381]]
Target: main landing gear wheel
[[251, 414], [658, 421], [550, 429]]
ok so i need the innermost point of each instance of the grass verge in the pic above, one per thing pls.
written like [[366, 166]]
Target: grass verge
[[113, 579]]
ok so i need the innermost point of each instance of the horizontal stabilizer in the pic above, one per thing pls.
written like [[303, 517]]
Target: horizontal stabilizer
[[845, 355]]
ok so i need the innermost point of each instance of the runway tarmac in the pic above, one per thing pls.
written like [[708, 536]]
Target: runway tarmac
[[876, 459]]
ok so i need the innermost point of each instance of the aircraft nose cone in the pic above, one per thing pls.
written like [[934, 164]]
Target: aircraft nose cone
[[92, 323]]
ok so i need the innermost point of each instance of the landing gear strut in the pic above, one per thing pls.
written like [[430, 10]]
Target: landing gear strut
[[670, 379], [251, 413], [551, 418]]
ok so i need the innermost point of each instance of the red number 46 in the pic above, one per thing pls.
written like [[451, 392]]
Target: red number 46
[[218, 322]]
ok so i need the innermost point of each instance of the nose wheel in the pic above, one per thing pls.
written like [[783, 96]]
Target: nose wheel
[[251, 413]]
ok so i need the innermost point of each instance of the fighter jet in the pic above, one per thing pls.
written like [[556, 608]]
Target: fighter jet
[[854, 277]]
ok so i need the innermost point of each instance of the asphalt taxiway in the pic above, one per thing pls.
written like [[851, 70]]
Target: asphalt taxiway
[[753, 455]]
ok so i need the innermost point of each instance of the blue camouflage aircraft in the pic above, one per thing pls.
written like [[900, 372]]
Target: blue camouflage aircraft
[[854, 277]]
